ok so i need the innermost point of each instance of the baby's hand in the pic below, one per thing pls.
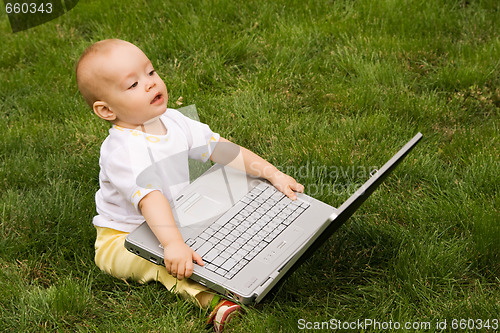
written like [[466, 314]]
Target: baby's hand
[[286, 184], [179, 259]]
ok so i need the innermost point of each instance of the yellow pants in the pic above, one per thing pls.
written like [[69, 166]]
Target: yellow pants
[[112, 257]]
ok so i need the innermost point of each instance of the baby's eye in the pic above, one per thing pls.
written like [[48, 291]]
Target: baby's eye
[[152, 73], [133, 85]]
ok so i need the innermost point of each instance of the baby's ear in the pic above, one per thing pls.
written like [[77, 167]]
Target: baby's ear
[[102, 110]]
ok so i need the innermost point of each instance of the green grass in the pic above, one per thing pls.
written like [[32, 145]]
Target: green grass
[[332, 85]]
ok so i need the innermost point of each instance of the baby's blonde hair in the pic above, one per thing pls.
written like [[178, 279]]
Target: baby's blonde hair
[[86, 74]]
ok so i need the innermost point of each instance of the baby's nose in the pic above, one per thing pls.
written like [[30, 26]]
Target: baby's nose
[[150, 84]]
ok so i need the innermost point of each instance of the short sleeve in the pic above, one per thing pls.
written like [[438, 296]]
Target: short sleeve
[[201, 139], [131, 175]]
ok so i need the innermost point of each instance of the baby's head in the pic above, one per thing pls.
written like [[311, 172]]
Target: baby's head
[[120, 84]]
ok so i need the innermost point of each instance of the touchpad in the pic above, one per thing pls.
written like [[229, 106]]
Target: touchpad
[[198, 207], [202, 207]]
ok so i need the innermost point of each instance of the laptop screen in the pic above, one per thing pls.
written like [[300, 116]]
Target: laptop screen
[[345, 211]]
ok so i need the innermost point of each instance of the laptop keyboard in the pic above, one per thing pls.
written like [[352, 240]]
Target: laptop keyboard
[[230, 243]]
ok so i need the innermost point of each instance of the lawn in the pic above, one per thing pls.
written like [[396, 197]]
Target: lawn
[[326, 91]]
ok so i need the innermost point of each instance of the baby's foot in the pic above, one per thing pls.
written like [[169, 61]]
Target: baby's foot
[[222, 314]]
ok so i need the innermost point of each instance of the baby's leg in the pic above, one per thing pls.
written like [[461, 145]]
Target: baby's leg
[[112, 257]]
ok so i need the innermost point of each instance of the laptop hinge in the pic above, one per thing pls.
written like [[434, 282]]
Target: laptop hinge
[[334, 215]]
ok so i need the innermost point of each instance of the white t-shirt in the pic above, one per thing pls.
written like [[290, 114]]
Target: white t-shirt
[[134, 163]]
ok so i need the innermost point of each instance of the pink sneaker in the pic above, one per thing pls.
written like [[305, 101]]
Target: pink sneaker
[[222, 314]]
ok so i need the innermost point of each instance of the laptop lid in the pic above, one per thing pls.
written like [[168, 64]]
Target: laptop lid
[[345, 211]]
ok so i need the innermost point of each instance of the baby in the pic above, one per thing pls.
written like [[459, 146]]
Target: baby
[[119, 83]]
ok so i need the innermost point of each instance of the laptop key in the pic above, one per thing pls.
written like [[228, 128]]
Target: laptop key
[[246, 200], [218, 236], [225, 232], [251, 195], [231, 237], [211, 267], [211, 255], [281, 227], [218, 261], [226, 242], [224, 255], [277, 196], [207, 246], [254, 204], [205, 236], [226, 217], [246, 236], [242, 263], [253, 243], [261, 246], [237, 256], [210, 231], [260, 200], [251, 255], [252, 219], [262, 186], [230, 263], [241, 252], [268, 192], [247, 247], [269, 238], [220, 247]]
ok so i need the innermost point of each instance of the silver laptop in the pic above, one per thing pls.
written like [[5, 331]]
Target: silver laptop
[[249, 235]]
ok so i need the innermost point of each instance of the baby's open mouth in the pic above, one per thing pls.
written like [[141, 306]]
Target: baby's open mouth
[[157, 98]]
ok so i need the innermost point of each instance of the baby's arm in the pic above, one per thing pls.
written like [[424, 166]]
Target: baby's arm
[[178, 256], [231, 154]]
